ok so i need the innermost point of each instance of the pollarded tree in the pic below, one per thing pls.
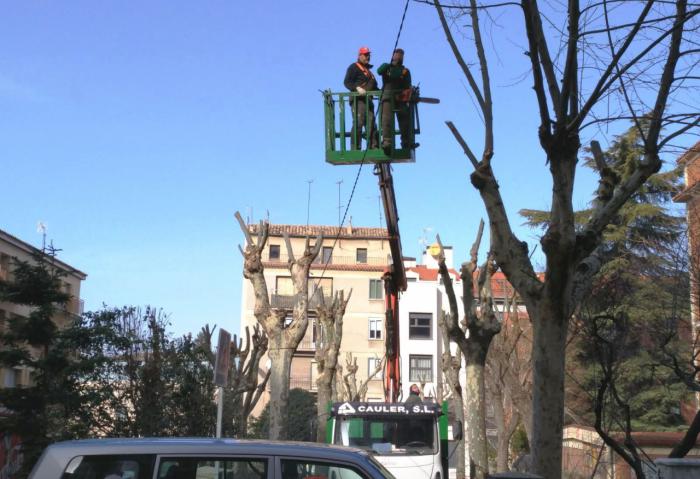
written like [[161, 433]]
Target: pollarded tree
[[616, 64], [245, 384], [451, 364], [473, 335], [283, 337], [329, 335]]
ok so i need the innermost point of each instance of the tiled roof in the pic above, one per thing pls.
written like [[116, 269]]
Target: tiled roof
[[430, 274], [693, 150], [330, 267], [500, 286], [327, 231]]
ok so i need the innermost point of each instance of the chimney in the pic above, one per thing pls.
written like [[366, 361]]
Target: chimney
[[348, 229]]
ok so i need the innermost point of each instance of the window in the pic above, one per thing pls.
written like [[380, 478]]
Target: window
[[420, 368], [361, 256], [372, 365], [196, 467], [420, 325], [4, 266], [298, 469], [375, 328], [274, 251], [88, 467], [327, 255], [376, 289], [284, 286], [314, 375], [11, 378], [321, 283]]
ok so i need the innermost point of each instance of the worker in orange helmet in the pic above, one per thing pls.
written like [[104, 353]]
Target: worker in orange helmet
[[360, 79]]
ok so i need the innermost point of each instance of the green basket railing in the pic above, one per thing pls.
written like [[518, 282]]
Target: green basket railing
[[340, 130]]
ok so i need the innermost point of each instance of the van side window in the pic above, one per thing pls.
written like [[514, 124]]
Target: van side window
[[301, 469], [203, 467], [110, 467]]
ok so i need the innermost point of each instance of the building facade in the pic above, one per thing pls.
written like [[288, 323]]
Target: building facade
[[11, 248]]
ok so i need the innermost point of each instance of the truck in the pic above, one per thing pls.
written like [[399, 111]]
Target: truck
[[409, 439]]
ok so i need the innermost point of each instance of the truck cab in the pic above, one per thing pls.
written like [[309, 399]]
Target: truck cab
[[408, 439]]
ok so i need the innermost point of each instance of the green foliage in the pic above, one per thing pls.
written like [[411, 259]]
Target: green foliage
[[519, 443], [301, 415], [38, 412], [114, 372]]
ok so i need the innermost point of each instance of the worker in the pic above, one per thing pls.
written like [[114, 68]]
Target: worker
[[360, 79], [413, 395], [396, 85]]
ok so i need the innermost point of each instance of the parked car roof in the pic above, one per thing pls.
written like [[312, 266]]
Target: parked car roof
[[57, 456]]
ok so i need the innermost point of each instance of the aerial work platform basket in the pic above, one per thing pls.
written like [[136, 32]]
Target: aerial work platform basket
[[341, 138]]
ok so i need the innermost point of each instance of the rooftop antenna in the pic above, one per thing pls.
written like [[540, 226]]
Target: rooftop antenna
[[339, 182], [308, 202], [42, 227]]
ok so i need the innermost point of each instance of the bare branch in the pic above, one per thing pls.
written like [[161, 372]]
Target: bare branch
[[244, 228]]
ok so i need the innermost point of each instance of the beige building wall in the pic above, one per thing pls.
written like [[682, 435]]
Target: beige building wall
[[12, 247], [348, 269]]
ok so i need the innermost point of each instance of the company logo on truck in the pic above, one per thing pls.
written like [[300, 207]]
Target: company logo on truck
[[365, 409], [346, 408]]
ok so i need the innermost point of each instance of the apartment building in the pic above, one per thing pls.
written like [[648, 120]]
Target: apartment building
[[13, 247], [351, 258]]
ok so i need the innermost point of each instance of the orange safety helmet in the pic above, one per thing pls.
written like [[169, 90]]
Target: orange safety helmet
[[364, 51]]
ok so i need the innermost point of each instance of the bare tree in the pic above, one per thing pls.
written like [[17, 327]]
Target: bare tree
[[597, 79], [283, 337], [509, 376], [350, 389], [473, 336], [329, 334], [451, 366], [244, 385]]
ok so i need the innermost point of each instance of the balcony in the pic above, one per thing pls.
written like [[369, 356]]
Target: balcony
[[287, 301], [283, 258], [302, 382]]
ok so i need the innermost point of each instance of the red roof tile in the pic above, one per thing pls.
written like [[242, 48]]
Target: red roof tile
[[695, 149], [330, 267], [327, 231]]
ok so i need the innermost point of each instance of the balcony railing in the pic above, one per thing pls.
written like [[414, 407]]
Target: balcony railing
[[302, 382], [344, 260], [307, 344], [287, 301]]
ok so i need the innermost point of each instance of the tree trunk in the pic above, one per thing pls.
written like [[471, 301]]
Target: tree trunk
[[458, 408], [503, 439], [549, 345], [476, 413], [280, 365], [325, 393]]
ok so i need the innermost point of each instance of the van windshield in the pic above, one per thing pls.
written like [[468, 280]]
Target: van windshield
[[389, 435]]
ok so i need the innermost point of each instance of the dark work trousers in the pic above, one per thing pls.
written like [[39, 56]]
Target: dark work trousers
[[360, 124], [404, 117]]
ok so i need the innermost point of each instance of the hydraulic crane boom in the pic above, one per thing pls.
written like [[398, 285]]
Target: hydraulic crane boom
[[394, 284]]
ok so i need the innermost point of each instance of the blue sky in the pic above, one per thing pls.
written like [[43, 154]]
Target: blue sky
[[135, 130]]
